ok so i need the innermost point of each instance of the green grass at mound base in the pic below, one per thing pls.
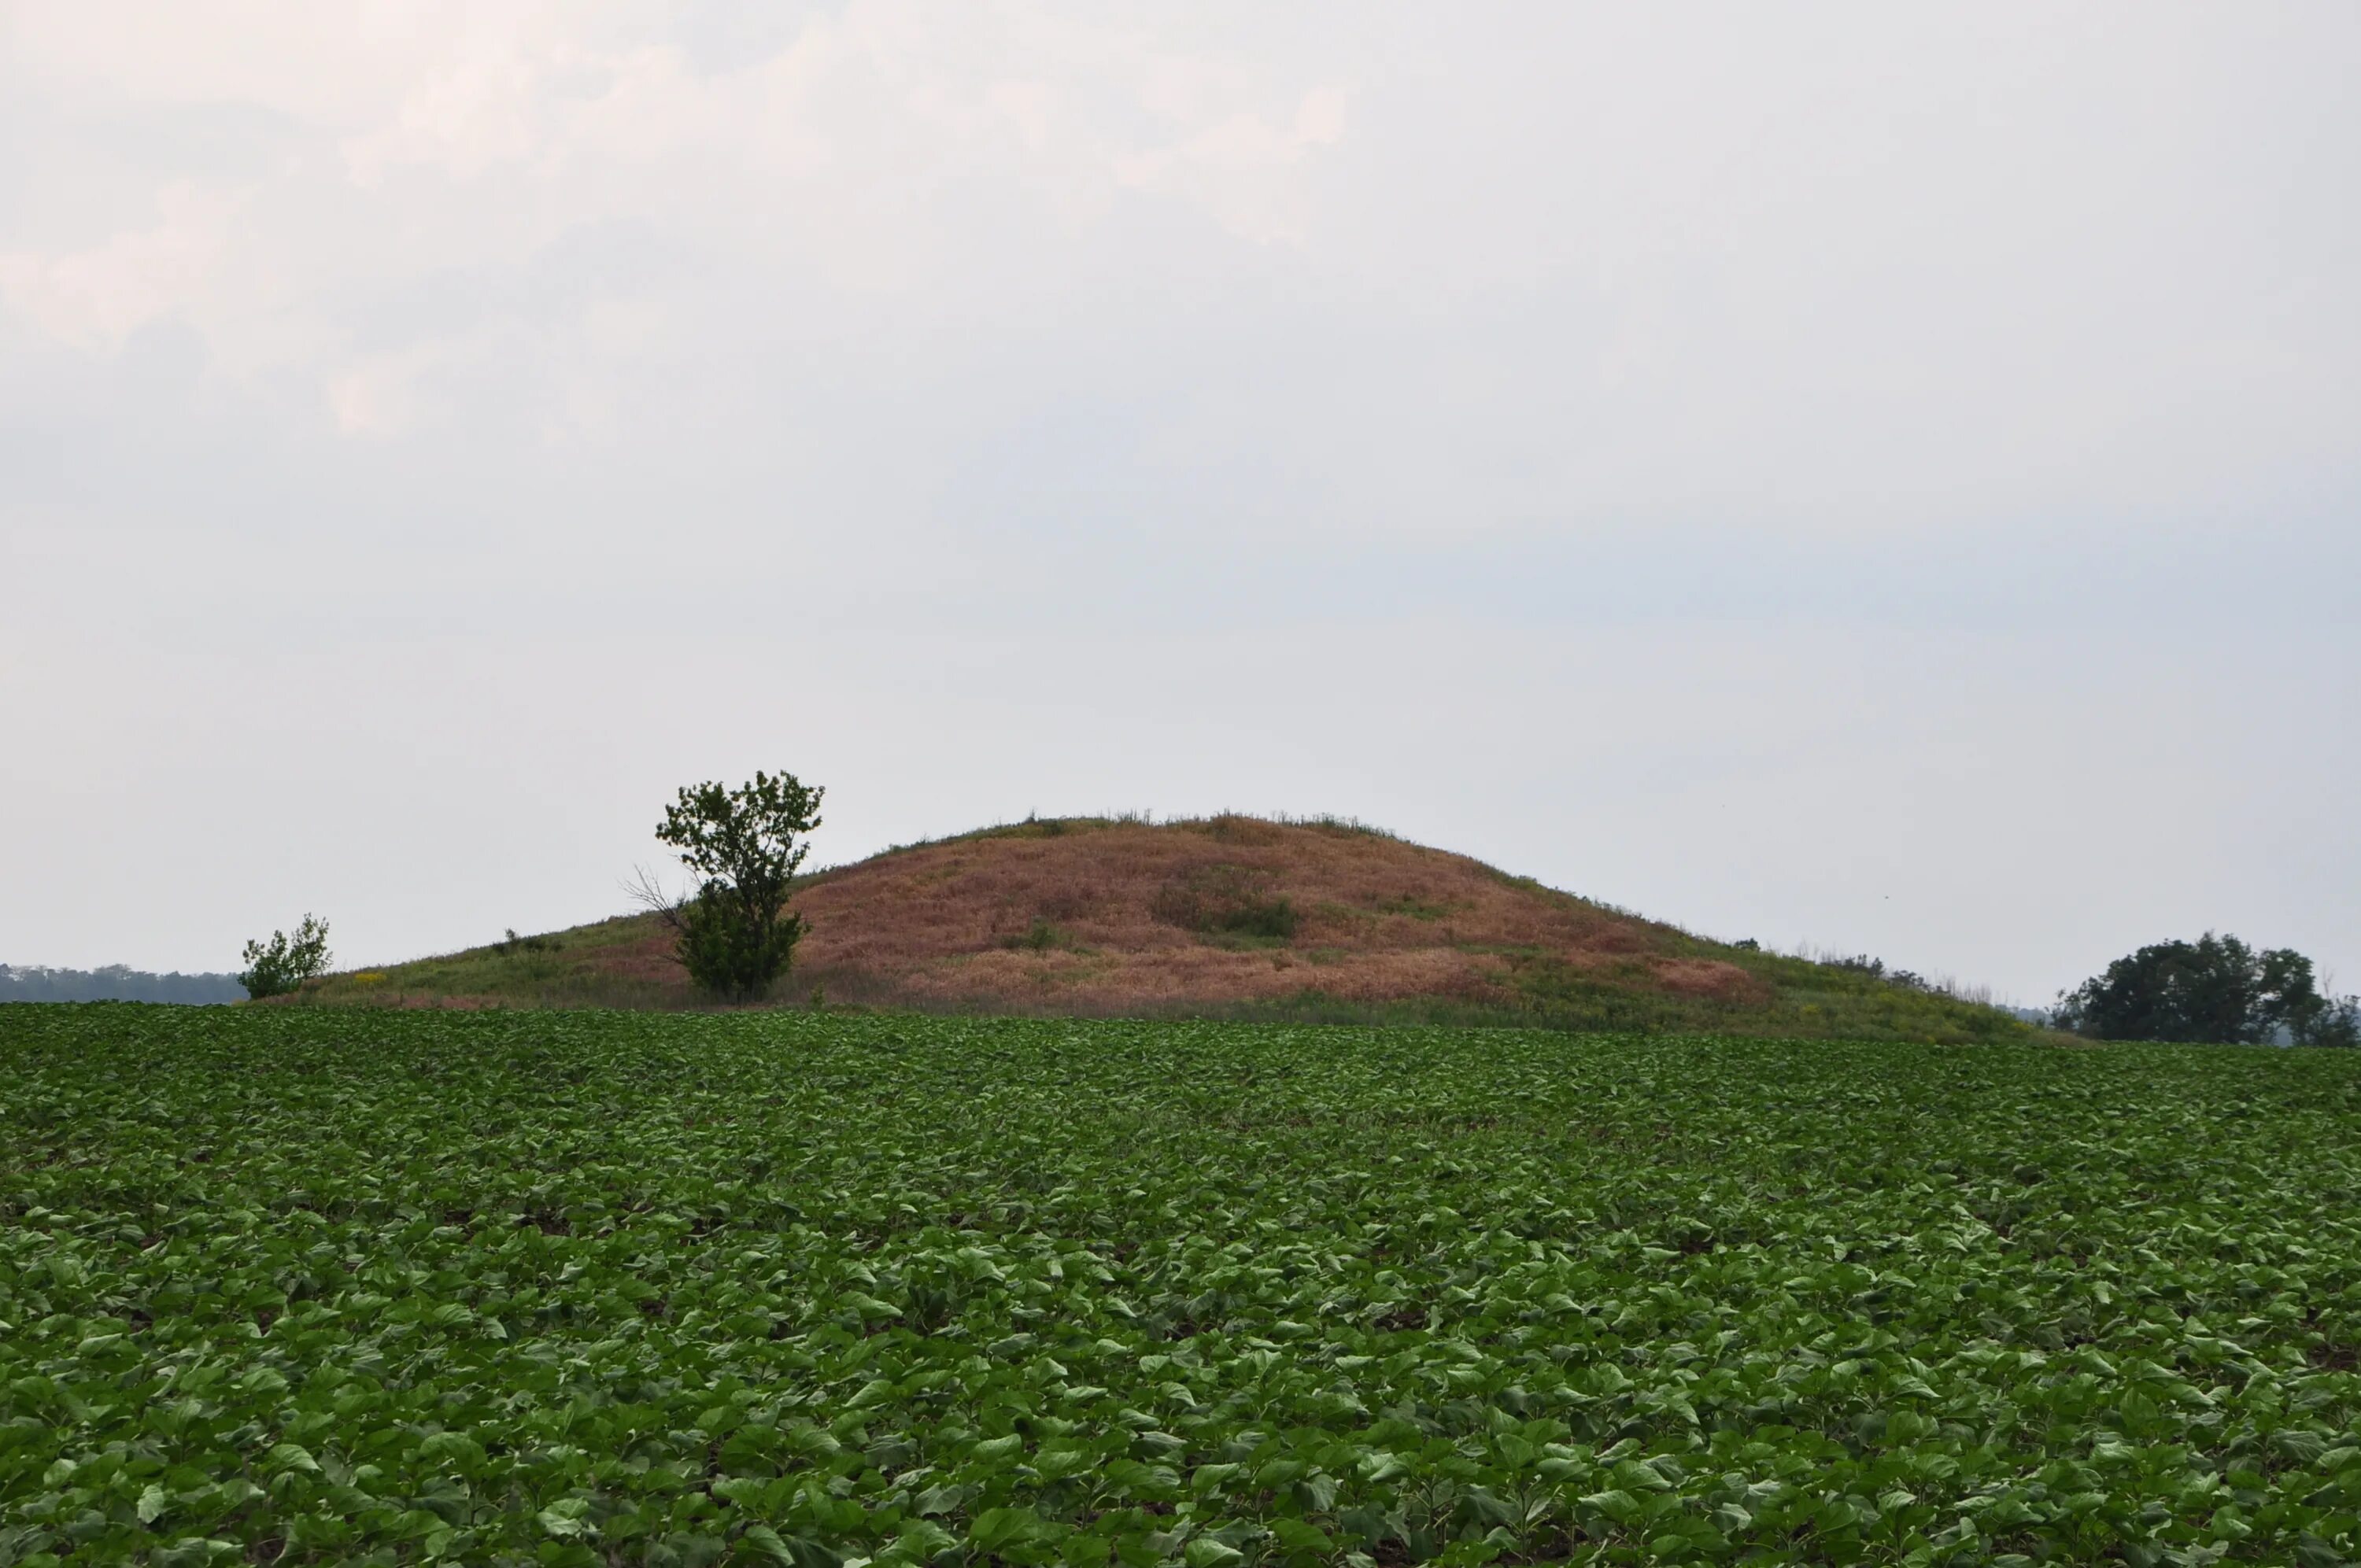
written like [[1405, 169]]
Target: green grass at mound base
[[1611, 977], [558, 969], [312, 1285], [1808, 1000], [571, 970]]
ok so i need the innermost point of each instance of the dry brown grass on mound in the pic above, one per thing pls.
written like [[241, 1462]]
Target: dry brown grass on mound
[[1377, 920], [1708, 978]]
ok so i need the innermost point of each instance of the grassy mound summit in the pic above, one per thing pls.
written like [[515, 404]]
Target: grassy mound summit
[[1229, 917]]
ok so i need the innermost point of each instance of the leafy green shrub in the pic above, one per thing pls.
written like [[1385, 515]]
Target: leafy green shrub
[[2337, 1023], [513, 943], [728, 948], [1271, 917], [734, 936], [284, 963], [1224, 900], [1039, 937], [1415, 907]]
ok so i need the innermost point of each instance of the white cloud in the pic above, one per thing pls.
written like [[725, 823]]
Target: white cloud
[[95, 297], [382, 396], [1245, 170], [468, 136], [1166, 330]]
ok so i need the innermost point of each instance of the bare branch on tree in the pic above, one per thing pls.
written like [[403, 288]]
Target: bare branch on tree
[[646, 890]]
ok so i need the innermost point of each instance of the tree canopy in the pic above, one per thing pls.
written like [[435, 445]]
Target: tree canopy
[[283, 963], [2215, 989], [735, 936]]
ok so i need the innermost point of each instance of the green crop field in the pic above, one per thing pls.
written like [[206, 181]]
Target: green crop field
[[324, 1286]]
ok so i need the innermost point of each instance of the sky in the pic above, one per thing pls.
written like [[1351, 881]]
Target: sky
[[1880, 478]]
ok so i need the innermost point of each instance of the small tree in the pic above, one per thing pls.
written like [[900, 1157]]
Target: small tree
[[2214, 988], [734, 934], [283, 963], [2339, 1025], [2336, 1021]]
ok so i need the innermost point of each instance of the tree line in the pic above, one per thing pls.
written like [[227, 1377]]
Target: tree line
[[114, 983], [2217, 989]]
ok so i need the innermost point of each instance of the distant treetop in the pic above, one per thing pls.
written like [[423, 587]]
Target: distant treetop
[[2216, 989]]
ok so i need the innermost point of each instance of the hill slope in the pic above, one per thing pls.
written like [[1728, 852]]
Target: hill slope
[[1229, 917]]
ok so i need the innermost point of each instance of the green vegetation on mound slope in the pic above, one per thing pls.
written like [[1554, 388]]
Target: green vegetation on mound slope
[[592, 966], [309, 1286], [560, 969], [1807, 1000]]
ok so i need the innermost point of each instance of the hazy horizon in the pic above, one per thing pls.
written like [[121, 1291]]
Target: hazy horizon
[[1886, 480]]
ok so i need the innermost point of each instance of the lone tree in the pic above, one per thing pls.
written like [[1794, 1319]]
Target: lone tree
[[734, 934], [2214, 988], [283, 963]]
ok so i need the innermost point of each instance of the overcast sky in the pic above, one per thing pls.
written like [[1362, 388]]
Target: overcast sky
[[1878, 476]]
